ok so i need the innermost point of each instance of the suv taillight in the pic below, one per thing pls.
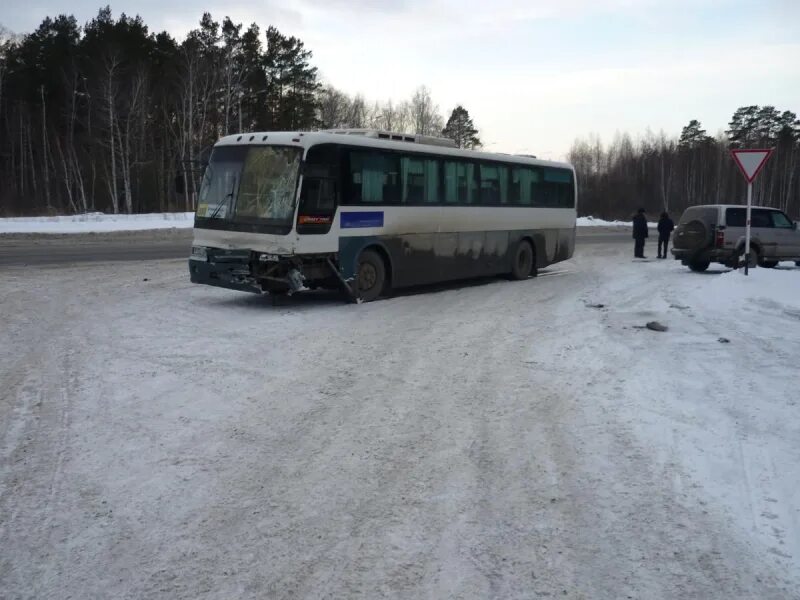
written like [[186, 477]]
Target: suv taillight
[[719, 241]]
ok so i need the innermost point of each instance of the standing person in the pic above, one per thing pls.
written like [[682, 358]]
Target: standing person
[[665, 227], [639, 233]]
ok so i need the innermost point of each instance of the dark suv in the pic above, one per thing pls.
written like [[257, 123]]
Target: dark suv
[[716, 233]]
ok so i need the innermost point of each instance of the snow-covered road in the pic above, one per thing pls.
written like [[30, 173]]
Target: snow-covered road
[[492, 440]]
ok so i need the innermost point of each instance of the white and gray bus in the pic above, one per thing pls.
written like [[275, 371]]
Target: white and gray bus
[[371, 211]]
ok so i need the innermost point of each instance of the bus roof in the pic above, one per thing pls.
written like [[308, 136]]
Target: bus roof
[[306, 139]]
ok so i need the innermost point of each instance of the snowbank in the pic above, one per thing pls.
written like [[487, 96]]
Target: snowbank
[[594, 222], [734, 290], [96, 223]]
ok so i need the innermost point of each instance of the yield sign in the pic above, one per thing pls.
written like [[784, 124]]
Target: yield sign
[[750, 162]]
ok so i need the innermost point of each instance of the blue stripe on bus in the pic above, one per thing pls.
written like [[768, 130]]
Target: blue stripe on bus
[[353, 220]]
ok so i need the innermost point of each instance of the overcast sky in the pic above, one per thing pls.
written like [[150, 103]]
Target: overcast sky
[[533, 74]]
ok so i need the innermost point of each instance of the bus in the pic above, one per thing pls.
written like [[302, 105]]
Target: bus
[[370, 211]]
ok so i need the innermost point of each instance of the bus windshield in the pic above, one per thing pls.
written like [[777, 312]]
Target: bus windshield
[[250, 184]]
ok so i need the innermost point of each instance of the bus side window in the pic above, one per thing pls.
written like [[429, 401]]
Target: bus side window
[[450, 179], [460, 183], [557, 188], [519, 191], [503, 175], [412, 171], [432, 180], [375, 177], [318, 196], [530, 186], [490, 185]]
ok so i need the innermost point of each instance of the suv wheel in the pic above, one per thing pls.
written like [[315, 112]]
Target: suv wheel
[[768, 264], [755, 259], [699, 264]]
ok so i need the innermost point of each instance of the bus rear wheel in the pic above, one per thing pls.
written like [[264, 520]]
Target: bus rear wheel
[[523, 267], [371, 275]]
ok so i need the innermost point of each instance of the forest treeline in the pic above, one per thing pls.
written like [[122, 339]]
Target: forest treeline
[[111, 117], [659, 172]]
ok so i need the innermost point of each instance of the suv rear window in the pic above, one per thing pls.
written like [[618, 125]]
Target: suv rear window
[[737, 217], [705, 214]]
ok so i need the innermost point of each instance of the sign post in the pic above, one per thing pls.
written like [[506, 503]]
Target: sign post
[[750, 162]]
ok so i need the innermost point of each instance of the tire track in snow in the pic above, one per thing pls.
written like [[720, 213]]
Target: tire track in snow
[[41, 384], [472, 442]]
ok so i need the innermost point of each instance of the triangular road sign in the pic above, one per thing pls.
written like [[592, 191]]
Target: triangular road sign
[[750, 161]]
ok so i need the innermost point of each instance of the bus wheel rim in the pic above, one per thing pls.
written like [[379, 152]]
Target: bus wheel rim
[[366, 276], [522, 260]]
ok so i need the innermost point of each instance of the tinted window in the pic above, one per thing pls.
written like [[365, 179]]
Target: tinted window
[[523, 179], [761, 218], [320, 180], [381, 177], [490, 184], [705, 214], [460, 185], [318, 196], [375, 177], [433, 180], [736, 217], [420, 180], [556, 189], [781, 220]]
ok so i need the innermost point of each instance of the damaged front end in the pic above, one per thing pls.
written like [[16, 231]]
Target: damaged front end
[[223, 268], [250, 271]]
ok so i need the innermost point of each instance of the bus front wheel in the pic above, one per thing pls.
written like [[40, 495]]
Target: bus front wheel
[[371, 275], [522, 268]]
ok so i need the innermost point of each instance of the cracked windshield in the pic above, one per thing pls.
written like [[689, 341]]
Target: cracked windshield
[[243, 183]]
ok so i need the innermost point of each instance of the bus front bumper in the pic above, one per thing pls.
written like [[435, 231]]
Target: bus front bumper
[[230, 269]]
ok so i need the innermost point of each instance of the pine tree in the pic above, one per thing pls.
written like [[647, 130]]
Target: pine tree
[[461, 129], [742, 128], [693, 135], [292, 84]]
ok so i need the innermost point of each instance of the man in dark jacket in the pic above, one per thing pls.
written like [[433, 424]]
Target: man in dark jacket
[[639, 233], [665, 227]]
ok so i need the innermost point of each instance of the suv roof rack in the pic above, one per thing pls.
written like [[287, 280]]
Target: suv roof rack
[[395, 136]]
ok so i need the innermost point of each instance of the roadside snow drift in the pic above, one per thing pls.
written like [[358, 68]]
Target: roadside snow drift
[[97, 223], [594, 222]]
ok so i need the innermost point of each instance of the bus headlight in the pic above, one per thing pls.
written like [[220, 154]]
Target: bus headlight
[[199, 253]]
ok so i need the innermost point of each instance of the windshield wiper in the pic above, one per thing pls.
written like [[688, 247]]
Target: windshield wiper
[[227, 196]]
